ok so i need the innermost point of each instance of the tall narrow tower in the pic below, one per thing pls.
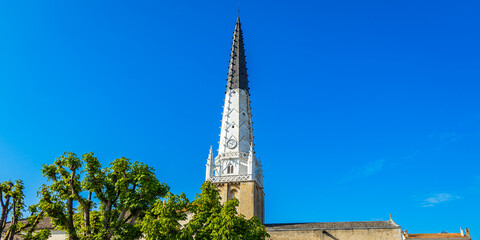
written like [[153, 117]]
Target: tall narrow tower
[[235, 170]]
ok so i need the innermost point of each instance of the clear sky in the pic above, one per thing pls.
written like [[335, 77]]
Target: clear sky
[[361, 109]]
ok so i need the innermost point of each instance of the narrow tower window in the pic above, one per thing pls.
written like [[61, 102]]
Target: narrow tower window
[[230, 169], [233, 194]]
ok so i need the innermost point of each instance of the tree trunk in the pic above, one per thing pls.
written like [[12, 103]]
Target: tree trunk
[[72, 232], [3, 217], [11, 232]]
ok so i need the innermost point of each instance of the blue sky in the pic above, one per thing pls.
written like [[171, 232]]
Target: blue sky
[[361, 109]]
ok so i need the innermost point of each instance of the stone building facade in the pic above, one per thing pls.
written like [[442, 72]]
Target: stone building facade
[[370, 230], [437, 236]]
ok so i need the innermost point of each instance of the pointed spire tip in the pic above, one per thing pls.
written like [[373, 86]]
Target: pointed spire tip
[[237, 70]]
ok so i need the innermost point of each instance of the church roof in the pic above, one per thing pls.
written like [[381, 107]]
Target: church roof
[[332, 225], [45, 223], [237, 70], [42, 224], [436, 235]]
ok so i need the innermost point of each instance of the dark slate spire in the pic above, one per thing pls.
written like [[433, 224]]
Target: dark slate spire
[[237, 71]]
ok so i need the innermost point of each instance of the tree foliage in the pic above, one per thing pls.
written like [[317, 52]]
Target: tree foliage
[[210, 221], [163, 220], [122, 201], [12, 201], [91, 202]]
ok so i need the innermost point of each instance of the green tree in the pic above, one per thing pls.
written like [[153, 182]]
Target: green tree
[[90, 202], [211, 220], [162, 221], [13, 204]]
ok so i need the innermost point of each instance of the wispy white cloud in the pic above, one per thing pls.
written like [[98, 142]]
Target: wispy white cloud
[[373, 167], [477, 179], [438, 198], [448, 136], [365, 171]]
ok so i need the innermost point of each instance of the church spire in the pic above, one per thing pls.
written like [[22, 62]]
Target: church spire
[[237, 70], [235, 170]]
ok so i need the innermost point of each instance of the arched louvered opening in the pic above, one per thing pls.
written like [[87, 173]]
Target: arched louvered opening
[[230, 169]]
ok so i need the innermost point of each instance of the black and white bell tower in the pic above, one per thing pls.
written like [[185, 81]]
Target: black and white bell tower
[[236, 170]]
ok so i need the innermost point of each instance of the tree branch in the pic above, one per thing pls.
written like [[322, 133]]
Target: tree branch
[[34, 223], [134, 219], [1, 199], [13, 222], [106, 217], [81, 200], [122, 215], [5, 211], [70, 225], [97, 190]]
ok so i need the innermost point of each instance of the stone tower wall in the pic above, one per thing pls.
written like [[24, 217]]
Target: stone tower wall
[[249, 194]]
